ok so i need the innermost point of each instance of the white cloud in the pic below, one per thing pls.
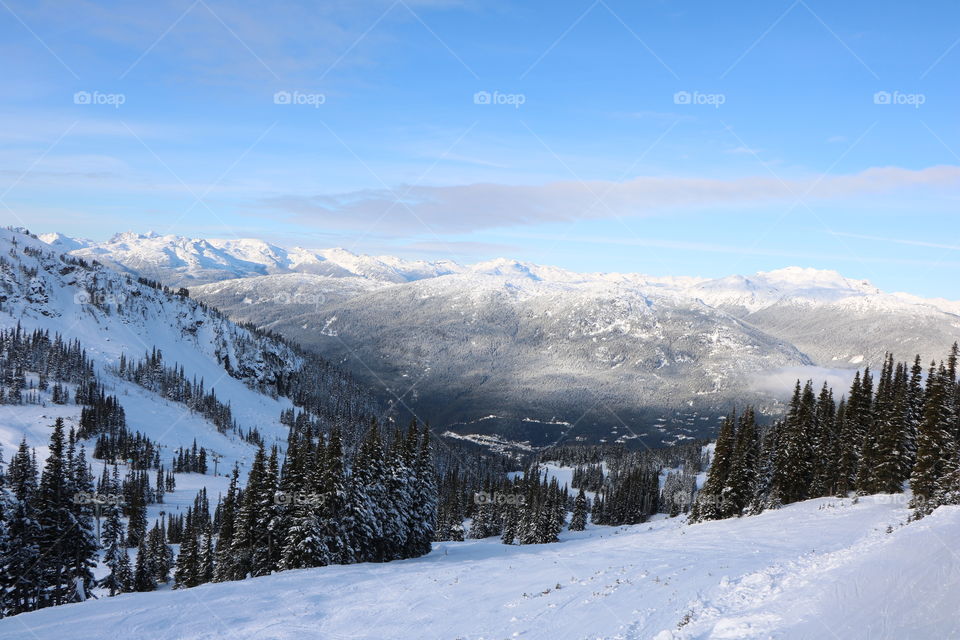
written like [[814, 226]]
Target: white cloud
[[779, 383], [490, 205]]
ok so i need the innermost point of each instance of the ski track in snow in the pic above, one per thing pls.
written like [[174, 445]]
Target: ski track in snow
[[825, 568]]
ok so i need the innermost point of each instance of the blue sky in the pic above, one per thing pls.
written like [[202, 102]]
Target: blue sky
[[695, 138]]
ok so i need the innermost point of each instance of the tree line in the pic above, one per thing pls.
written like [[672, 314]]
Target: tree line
[[905, 428]]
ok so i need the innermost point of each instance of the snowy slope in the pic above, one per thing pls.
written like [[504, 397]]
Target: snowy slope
[[740, 578], [113, 315]]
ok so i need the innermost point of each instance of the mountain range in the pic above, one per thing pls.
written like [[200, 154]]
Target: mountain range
[[511, 351]]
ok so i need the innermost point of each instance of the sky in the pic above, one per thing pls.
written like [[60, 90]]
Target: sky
[[667, 138]]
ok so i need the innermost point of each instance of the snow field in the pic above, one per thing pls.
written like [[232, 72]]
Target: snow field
[[823, 568]]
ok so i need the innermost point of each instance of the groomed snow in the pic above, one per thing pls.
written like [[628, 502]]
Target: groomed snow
[[825, 568]]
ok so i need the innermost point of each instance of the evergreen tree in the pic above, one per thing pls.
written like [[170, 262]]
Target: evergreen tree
[[578, 521], [112, 540], [935, 445], [21, 578], [333, 510], [143, 573], [824, 443], [424, 507], [251, 540], [187, 571], [224, 564], [744, 465], [708, 505], [793, 460], [161, 555], [851, 437], [57, 524], [83, 545]]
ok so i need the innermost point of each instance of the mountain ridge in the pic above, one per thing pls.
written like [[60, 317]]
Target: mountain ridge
[[618, 356]]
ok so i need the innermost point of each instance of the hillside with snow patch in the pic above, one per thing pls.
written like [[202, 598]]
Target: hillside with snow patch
[[114, 315]]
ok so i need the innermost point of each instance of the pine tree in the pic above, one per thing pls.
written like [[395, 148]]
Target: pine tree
[[225, 565], [935, 443], [793, 458], [851, 437], [824, 443], [160, 554], [890, 468], [879, 419], [206, 570], [20, 570], [124, 574], [914, 417], [267, 521], [366, 513], [708, 505], [578, 522], [113, 543], [143, 573], [83, 545], [333, 508], [136, 515], [424, 508], [744, 465], [187, 571], [511, 518], [57, 524]]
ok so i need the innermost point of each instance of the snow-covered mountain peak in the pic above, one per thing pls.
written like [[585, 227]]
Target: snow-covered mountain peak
[[64, 243], [505, 267], [806, 278], [133, 236], [795, 285]]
